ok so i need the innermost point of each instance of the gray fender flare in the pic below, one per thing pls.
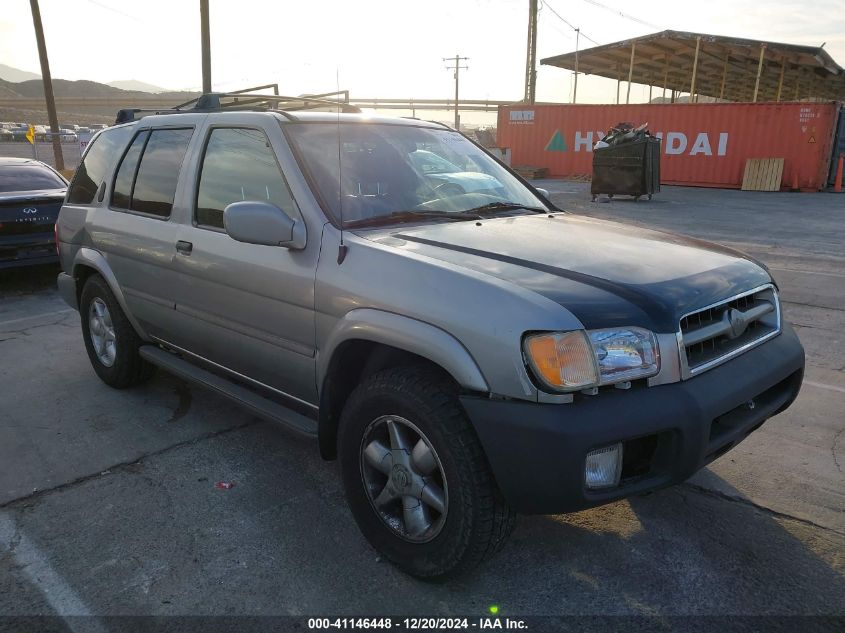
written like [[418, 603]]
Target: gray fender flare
[[405, 333], [400, 332], [94, 259]]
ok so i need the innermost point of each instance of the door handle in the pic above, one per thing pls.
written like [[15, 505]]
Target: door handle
[[184, 248]]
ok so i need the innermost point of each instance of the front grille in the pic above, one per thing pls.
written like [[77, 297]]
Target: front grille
[[716, 333]]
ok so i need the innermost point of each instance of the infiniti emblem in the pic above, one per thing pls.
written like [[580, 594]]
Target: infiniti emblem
[[737, 322], [30, 210]]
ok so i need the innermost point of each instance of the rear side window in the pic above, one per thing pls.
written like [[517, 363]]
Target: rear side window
[[28, 178], [98, 161], [125, 178], [239, 164], [147, 176]]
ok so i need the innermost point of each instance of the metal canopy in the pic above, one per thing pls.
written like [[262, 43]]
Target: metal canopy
[[729, 68]]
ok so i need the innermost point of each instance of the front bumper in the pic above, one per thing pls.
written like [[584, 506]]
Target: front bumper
[[537, 451]]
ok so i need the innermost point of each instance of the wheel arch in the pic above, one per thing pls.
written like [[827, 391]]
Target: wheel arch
[[88, 262], [368, 340]]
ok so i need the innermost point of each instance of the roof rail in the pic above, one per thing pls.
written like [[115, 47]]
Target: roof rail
[[127, 115], [247, 99]]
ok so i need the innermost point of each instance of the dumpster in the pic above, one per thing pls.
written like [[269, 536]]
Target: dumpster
[[630, 167]]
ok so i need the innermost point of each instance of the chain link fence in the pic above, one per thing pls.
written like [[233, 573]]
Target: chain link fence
[[43, 151]]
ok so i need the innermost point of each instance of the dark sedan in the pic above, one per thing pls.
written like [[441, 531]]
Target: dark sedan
[[31, 194]]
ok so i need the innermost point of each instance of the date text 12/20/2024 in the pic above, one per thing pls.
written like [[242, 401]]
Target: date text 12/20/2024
[[418, 624]]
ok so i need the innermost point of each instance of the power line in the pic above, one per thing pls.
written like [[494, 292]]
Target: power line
[[568, 23], [595, 3], [117, 11]]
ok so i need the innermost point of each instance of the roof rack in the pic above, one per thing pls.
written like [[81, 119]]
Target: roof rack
[[246, 99]]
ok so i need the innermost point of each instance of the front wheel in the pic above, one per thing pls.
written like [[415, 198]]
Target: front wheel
[[415, 475]]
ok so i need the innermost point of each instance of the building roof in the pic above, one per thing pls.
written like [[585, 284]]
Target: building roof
[[726, 68]]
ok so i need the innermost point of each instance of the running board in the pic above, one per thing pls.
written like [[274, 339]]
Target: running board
[[262, 407]]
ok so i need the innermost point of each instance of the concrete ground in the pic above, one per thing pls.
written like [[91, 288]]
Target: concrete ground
[[108, 504]]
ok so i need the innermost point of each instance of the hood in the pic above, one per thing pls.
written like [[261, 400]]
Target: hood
[[606, 273]]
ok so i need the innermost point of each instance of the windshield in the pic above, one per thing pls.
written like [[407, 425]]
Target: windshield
[[391, 170]]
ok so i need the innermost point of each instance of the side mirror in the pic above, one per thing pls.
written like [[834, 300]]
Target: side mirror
[[262, 223], [543, 192]]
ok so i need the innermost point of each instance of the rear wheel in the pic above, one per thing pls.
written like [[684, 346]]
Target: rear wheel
[[415, 475], [110, 340]]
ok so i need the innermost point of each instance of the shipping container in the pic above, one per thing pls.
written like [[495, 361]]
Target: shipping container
[[703, 144]]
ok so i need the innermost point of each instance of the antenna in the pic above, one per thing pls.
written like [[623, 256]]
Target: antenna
[[342, 249]]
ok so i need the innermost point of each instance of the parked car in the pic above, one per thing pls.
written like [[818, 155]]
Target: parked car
[[466, 356], [6, 135], [67, 135], [31, 195], [19, 133]]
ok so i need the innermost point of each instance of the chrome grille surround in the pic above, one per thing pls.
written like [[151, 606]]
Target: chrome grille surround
[[706, 337]]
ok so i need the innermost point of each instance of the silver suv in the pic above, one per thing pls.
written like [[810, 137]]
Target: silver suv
[[467, 350]]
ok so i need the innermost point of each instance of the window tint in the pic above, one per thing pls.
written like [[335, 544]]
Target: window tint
[[28, 178], [122, 193], [97, 163], [239, 164], [155, 184]]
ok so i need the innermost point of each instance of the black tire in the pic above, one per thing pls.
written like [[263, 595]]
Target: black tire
[[128, 368], [477, 519]]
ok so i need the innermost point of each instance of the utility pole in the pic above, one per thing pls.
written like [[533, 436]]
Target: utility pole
[[531, 56], [48, 85], [575, 87], [206, 47], [457, 68]]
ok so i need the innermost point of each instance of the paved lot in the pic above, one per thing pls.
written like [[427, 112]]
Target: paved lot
[[108, 504]]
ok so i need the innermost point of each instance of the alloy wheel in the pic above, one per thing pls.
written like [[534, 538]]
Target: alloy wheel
[[101, 331], [404, 478]]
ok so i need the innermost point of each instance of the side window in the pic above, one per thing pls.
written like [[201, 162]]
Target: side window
[[239, 164], [97, 163], [125, 178], [158, 173]]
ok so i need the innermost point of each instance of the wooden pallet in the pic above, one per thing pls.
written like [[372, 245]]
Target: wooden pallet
[[762, 174], [531, 173]]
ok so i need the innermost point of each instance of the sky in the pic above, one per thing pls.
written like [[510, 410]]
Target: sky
[[380, 48]]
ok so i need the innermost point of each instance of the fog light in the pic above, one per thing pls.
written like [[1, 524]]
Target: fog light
[[603, 467]]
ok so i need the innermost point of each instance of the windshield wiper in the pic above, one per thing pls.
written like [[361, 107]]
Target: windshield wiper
[[411, 216], [504, 206]]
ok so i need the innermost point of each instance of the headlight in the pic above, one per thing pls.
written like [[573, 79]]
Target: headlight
[[564, 360], [568, 361], [625, 354]]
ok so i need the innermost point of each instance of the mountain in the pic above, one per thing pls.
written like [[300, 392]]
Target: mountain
[[134, 84], [34, 89], [8, 73], [63, 88], [29, 84]]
